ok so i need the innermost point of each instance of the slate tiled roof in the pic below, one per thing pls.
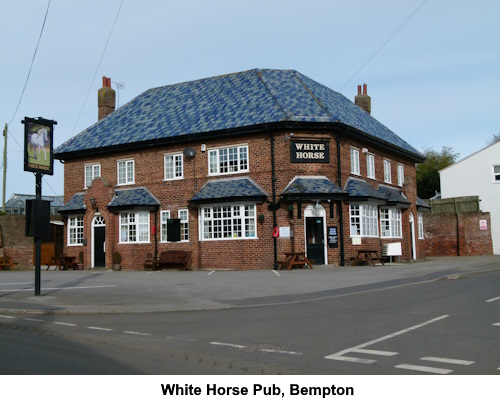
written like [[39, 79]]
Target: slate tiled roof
[[311, 187], [361, 190], [231, 189], [227, 103], [422, 204], [393, 195], [133, 198], [74, 204]]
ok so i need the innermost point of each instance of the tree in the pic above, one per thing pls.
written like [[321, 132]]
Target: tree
[[428, 171], [494, 139]]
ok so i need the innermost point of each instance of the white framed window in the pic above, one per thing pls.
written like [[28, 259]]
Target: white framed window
[[387, 171], [420, 225], [174, 167], [184, 217], [370, 166], [355, 161], [134, 227], [401, 174], [164, 217], [496, 174], [363, 220], [227, 160], [390, 223], [126, 172], [231, 221], [92, 171], [75, 231]]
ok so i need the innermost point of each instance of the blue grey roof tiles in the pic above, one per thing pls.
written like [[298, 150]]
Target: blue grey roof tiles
[[422, 204], [361, 189], [393, 195], [241, 188], [223, 103], [74, 204], [312, 185], [133, 197]]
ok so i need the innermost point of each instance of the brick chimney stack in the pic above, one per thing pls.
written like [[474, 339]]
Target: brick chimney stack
[[105, 98], [363, 100]]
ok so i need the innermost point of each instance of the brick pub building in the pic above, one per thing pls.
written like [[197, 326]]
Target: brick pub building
[[250, 165]]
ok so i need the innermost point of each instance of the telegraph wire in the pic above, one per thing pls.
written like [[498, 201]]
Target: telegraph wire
[[383, 45], [97, 69], [32, 62]]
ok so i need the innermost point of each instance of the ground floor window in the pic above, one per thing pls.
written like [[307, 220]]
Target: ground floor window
[[164, 217], [420, 225], [134, 227], [184, 217], [75, 230], [232, 221], [390, 223], [364, 220]]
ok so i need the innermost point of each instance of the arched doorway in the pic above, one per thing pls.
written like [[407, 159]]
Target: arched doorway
[[98, 242], [315, 224]]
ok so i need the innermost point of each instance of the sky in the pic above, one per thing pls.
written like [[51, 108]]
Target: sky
[[432, 67]]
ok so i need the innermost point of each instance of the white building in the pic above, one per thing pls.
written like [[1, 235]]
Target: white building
[[477, 174]]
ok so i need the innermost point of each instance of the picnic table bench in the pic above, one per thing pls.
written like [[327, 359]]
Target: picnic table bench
[[5, 263], [294, 259], [366, 256], [63, 262], [179, 258]]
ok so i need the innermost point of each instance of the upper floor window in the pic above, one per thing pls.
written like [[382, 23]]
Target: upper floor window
[[134, 227], [390, 223], [174, 167], [370, 166], [401, 174], [387, 171], [228, 160], [75, 230], [91, 172], [496, 173], [126, 171], [355, 161], [363, 220]]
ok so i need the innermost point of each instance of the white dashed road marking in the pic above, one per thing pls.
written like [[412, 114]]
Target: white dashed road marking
[[433, 370], [449, 361], [131, 332], [98, 328], [493, 299], [227, 344], [64, 324]]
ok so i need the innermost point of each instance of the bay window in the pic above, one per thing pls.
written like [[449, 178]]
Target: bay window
[[363, 220], [231, 221], [134, 227], [390, 223]]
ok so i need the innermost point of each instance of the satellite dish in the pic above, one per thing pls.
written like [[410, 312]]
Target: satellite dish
[[189, 152]]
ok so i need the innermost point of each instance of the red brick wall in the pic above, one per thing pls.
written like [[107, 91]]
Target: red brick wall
[[17, 246], [457, 234], [176, 194]]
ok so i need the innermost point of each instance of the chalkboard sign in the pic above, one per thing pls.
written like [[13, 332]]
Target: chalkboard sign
[[333, 239]]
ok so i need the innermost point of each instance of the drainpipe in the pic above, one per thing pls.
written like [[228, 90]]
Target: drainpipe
[[341, 215], [273, 180]]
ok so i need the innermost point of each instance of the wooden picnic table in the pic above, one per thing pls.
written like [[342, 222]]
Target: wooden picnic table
[[295, 259], [63, 262], [6, 262], [367, 256]]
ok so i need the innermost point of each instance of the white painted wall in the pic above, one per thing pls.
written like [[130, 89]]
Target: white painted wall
[[474, 176]]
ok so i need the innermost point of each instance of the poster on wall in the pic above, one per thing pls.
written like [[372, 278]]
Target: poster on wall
[[333, 237], [38, 145]]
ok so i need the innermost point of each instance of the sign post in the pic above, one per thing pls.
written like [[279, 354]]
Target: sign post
[[39, 159]]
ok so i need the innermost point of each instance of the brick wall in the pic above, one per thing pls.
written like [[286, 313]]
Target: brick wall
[[17, 246], [457, 234], [176, 194]]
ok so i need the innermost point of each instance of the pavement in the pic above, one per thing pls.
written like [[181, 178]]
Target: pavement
[[107, 291]]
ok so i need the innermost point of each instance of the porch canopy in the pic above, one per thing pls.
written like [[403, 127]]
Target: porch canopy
[[131, 199]]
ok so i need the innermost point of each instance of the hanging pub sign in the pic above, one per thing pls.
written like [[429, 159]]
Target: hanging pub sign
[[38, 145], [309, 151]]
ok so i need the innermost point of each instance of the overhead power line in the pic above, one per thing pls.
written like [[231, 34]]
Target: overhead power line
[[383, 45], [32, 61], [98, 66]]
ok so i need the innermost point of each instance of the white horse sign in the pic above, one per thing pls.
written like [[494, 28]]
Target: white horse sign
[[38, 145]]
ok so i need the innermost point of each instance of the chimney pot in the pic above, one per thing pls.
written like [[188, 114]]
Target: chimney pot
[[364, 88], [359, 89]]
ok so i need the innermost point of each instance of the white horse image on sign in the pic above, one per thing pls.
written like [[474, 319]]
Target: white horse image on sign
[[37, 141]]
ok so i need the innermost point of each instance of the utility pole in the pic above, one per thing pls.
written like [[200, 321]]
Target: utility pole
[[4, 167]]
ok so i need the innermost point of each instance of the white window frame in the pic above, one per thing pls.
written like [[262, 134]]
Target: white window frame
[[173, 166], [355, 161], [420, 217], [363, 220], [228, 222], [134, 227], [387, 171], [128, 167], [164, 217], [95, 171], [401, 174], [391, 223], [496, 173], [183, 215], [220, 162], [370, 165], [75, 230]]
